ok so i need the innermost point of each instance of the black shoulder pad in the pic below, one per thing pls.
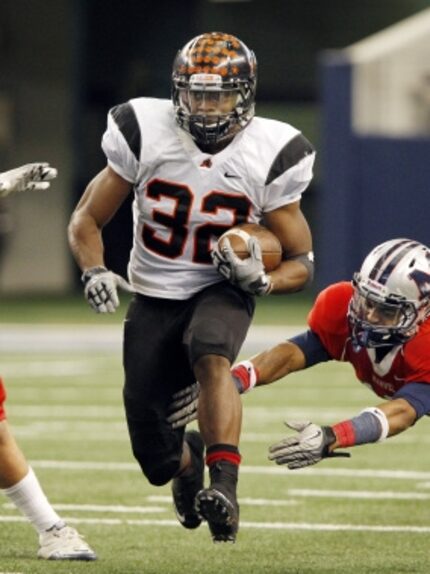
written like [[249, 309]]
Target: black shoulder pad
[[292, 152], [126, 120]]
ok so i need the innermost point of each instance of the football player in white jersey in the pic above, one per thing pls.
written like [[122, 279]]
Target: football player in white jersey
[[197, 164], [57, 541]]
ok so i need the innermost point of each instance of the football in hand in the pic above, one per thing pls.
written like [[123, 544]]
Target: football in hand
[[239, 236]]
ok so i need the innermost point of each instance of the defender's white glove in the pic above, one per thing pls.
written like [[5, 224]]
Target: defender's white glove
[[101, 289], [308, 447], [248, 274], [33, 176]]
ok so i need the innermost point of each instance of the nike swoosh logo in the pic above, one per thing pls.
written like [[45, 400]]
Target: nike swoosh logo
[[232, 175], [316, 435]]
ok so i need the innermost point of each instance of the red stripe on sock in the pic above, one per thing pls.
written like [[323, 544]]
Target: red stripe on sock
[[232, 457], [345, 433]]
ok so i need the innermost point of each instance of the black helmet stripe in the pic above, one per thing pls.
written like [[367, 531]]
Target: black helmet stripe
[[377, 267], [385, 274]]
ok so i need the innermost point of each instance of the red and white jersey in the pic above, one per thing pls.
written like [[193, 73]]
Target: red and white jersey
[[185, 198], [403, 364]]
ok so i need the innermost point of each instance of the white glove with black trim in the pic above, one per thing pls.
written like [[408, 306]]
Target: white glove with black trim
[[183, 408], [308, 447], [32, 176], [101, 289], [249, 273]]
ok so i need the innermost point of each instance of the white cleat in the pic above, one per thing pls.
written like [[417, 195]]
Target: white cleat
[[64, 544]]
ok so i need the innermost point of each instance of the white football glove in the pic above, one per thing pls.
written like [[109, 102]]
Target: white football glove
[[308, 447], [33, 176], [248, 274], [101, 289], [183, 408]]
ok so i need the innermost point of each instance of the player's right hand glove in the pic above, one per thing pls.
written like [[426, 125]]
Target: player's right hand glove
[[100, 289], [32, 176], [249, 273], [308, 447]]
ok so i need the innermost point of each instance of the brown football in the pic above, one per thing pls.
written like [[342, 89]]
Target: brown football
[[270, 246]]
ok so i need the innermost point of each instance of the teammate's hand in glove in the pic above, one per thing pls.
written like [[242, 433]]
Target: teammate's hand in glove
[[183, 408], [248, 274], [308, 447], [101, 289], [33, 176]]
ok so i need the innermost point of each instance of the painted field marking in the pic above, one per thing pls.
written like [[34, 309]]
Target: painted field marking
[[358, 494], [118, 509], [242, 501], [245, 524], [255, 470]]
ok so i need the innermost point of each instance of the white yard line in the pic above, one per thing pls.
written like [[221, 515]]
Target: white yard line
[[242, 501], [114, 508], [245, 524], [245, 469], [108, 338], [358, 494]]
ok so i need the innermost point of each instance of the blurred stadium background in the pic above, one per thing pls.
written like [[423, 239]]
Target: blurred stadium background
[[363, 102]]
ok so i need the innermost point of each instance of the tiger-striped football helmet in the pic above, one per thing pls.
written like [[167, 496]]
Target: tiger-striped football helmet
[[213, 88]]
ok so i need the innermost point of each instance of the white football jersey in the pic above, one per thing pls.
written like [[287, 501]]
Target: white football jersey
[[185, 198]]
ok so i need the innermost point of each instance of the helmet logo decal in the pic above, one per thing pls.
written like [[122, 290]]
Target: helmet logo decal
[[422, 280]]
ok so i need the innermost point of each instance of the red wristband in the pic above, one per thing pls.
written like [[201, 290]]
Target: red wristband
[[345, 434]]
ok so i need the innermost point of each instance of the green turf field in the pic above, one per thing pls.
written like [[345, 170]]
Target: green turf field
[[367, 514]]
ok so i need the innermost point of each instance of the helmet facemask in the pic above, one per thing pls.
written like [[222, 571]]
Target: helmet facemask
[[380, 321]]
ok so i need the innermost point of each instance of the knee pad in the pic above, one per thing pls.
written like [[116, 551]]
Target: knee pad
[[210, 338]]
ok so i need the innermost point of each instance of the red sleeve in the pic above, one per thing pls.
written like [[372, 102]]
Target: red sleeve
[[328, 317], [417, 356]]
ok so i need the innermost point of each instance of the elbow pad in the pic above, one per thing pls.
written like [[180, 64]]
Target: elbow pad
[[307, 260]]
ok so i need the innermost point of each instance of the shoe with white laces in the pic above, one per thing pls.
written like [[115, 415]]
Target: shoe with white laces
[[64, 543]]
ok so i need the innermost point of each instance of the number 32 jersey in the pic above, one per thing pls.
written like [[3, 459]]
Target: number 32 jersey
[[184, 199]]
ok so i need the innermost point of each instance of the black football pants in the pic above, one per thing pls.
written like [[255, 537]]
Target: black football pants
[[163, 338]]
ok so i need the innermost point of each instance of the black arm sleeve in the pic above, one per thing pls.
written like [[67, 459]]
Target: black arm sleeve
[[417, 395], [312, 348]]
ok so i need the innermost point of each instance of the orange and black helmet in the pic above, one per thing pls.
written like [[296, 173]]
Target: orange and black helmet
[[213, 63]]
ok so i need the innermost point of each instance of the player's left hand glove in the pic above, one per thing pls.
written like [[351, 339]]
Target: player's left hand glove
[[248, 274], [33, 176], [308, 447], [101, 289], [183, 408]]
